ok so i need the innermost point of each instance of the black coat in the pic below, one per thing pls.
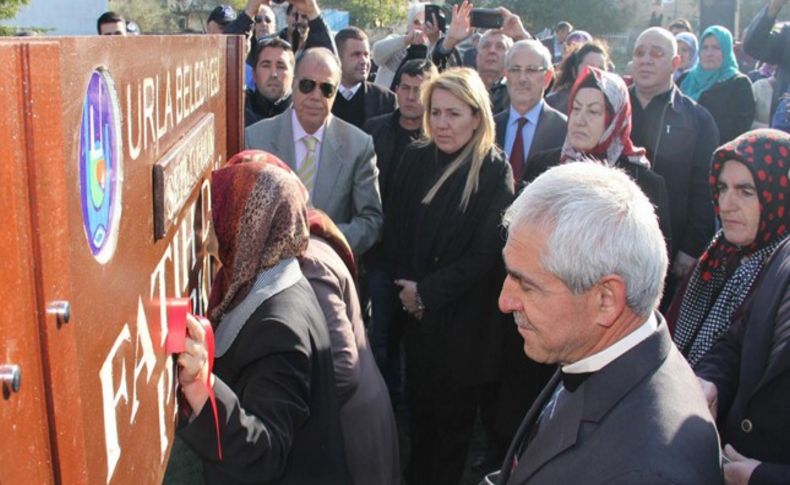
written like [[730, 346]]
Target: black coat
[[456, 259], [679, 146], [650, 182], [257, 108], [750, 366], [731, 103], [278, 407]]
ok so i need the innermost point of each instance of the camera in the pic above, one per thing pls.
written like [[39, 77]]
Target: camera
[[486, 18], [438, 12]]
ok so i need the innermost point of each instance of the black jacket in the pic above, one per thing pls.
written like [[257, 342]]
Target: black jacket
[[257, 108], [750, 366], [383, 129], [731, 103], [650, 182], [278, 407], [771, 46], [456, 259], [680, 147]]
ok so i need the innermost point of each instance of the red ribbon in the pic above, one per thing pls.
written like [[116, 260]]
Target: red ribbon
[[211, 347]]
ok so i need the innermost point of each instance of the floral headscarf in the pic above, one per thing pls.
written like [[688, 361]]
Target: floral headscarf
[[260, 217], [616, 138]]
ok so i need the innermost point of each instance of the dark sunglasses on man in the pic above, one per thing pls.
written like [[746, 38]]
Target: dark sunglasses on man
[[306, 86]]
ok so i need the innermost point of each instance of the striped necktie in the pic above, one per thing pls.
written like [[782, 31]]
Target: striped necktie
[[308, 169]]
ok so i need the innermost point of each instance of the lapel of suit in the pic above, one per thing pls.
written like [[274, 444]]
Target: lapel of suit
[[329, 165], [556, 436], [593, 400], [526, 426], [538, 135], [500, 124], [282, 137]]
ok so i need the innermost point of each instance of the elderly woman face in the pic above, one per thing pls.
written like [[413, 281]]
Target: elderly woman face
[[739, 205], [587, 119], [453, 122], [710, 54]]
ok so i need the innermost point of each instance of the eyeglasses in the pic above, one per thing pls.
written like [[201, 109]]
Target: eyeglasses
[[263, 19], [306, 86], [654, 52], [531, 69]]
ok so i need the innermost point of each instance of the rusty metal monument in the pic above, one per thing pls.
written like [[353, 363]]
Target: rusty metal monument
[[106, 144]]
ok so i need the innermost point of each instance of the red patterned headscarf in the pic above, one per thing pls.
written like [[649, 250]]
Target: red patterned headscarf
[[616, 138], [725, 274], [260, 217], [765, 153]]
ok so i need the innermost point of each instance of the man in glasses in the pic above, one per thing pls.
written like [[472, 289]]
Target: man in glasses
[[358, 100], [273, 73], [680, 137], [334, 159], [529, 125]]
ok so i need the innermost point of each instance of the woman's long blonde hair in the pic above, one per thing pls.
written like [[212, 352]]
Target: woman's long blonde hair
[[466, 85]]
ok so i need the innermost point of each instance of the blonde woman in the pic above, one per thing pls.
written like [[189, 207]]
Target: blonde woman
[[443, 236]]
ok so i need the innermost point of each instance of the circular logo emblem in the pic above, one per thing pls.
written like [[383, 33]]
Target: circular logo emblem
[[101, 169]]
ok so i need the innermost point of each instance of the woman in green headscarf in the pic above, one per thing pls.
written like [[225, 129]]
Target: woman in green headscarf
[[716, 84]]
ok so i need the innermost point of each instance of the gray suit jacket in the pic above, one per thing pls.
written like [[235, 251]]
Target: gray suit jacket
[[346, 186], [641, 419], [550, 132]]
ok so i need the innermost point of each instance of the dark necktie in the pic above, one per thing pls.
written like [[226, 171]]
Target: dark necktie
[[517, 152]]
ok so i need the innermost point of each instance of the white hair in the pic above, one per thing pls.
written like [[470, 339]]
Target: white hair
[[533, 45], [414, 9], [599, 223]]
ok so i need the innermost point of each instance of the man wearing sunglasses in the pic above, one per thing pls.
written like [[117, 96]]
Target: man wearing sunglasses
[[679, 136], [265, 22], [334, 159]]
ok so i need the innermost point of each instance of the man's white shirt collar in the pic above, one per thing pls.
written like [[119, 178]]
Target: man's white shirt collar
[[353, 90], [601, 359], [300, 132]]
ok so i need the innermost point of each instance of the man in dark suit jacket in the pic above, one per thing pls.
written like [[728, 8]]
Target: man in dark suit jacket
[[358, 100], [530, 125], [340, 171], [624, 407], [747, 380]]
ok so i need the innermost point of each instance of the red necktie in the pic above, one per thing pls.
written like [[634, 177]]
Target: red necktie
[[517, 152]]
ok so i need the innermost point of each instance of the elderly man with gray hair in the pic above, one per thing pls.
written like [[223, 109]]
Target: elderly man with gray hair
[[585, 262], [335, 160], [529, 125]]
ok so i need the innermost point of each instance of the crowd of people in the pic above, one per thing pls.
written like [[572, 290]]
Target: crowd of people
[[466, 223]]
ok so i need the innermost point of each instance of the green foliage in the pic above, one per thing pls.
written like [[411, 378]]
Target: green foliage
[[595, 16], [152, 16], [368, 14], [8, 10]]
